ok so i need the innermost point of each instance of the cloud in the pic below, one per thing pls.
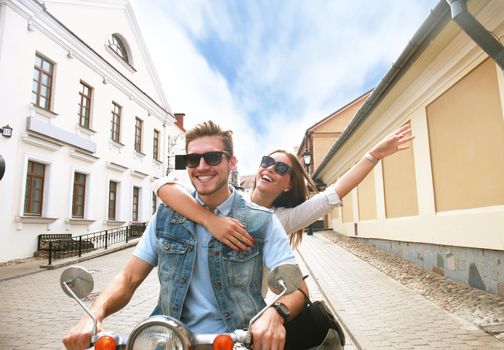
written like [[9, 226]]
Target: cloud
[[269, 70]]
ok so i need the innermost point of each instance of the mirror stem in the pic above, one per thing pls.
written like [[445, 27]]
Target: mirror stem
[[249, 335], [68, 289]]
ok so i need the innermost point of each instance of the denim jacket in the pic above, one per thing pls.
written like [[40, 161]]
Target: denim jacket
[[236, 276]]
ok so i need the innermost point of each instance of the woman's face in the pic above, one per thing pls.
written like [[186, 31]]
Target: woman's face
[[271, 183]]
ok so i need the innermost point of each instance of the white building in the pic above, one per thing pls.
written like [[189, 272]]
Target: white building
[[89, 116]]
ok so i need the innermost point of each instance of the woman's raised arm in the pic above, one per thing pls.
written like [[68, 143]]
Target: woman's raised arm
[[306, 213], [391, 144]]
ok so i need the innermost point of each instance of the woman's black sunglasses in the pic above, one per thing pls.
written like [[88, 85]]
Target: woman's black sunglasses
[[213, 158], [281, 168]]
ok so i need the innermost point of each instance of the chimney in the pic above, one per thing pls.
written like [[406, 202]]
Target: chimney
[[179, 120]]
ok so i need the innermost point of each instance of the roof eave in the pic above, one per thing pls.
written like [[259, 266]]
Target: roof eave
[[436, 20]]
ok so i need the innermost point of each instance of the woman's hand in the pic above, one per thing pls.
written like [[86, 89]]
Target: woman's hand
[[229, 231], [393, 142]]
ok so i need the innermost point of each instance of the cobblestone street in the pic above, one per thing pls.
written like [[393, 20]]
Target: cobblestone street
[[377, 311]]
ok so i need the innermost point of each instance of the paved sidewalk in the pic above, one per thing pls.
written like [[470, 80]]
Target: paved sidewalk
[[316, 293], [36, 314], [24, 267], [43, 289], [380, 312], [376, 311]]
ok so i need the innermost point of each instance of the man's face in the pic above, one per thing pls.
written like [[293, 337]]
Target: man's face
[[210, 180]]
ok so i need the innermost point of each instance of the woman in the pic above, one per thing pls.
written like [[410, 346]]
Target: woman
[[280, 185]]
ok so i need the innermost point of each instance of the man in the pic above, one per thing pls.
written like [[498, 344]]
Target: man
[[205, 284]]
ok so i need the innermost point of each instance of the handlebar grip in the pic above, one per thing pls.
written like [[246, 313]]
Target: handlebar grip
[[248, 340]]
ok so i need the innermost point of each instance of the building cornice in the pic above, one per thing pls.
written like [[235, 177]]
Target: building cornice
[[125, 5], [41, 20], [437, 19], [146, 55]]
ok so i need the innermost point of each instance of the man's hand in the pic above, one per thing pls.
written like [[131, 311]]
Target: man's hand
[[112, 299], [268, 332], [229, 231], [79, 337]]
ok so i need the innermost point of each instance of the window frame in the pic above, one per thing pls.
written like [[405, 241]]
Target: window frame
[[115, 129], [135, 204], [113, 188], [37, 95], [119, 47], [85, 120], [76, 186], [138, 134], [30, 175], [155, 144]]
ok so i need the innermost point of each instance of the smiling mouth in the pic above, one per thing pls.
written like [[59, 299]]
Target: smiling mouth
[[204, 178], [266, 178]]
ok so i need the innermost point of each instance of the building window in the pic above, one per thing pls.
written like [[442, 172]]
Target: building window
[[85, 95], [138, 134], [136, 193], [155, 145], [34, 194], [118, 46], [42, 82], [112, 202], [154, 203], [79, 193], [116, 122]]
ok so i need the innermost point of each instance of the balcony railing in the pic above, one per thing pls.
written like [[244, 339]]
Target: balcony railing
[[58, 246]]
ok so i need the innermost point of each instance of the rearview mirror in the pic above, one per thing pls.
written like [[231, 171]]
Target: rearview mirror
[[289, 274], [78, 280]]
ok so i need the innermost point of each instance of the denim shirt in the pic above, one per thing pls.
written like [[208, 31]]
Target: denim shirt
[[236, 277]]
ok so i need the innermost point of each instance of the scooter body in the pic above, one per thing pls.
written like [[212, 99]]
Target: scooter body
[[166, 333]]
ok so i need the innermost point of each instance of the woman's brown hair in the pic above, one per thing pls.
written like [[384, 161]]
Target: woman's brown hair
[[297, 194]]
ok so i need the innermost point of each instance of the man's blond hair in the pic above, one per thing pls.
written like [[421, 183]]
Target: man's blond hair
[[210, 128]]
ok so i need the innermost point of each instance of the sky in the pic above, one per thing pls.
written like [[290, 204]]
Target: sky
[[270, 69]]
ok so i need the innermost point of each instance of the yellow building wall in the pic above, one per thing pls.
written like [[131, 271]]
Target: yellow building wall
[[452, 195], [347, 210], [466, 134], [326, 134], [321, 145], [366, 195], [340, 121], [335, 213], [399, 184]]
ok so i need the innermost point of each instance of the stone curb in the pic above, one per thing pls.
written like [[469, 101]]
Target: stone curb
[[33, 266]]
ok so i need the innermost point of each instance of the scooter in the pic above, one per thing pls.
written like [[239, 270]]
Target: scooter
[[164, 332]]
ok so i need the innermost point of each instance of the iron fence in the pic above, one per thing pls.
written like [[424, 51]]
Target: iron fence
[[57, 246]]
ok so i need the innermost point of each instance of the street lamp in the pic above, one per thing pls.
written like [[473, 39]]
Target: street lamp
[[307, 158]]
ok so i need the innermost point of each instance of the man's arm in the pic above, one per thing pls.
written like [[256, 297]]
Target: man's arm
[[268, 332], [113, 298]]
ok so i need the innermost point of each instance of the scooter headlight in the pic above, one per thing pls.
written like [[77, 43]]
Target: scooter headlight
[[159, 333]]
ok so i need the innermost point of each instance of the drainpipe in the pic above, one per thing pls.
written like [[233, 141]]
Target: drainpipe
[[476, 31]]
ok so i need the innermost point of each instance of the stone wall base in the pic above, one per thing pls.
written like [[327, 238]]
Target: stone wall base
[[479, 268]]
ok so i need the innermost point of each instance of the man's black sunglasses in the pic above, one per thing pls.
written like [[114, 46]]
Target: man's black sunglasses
[[281, 168], [213, 158]]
